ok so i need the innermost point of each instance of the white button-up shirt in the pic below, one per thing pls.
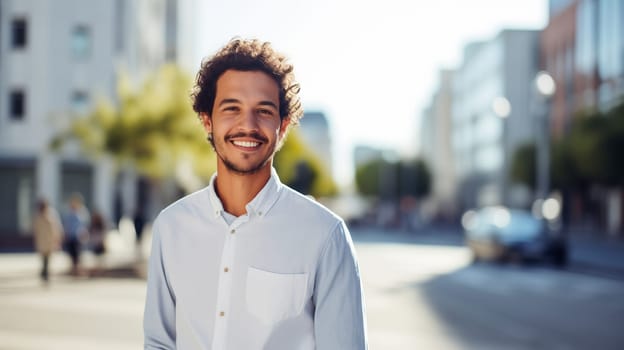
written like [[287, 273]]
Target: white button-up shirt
[[282, 276]]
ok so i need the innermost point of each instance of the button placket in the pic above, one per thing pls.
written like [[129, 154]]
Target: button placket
[[225, 285]]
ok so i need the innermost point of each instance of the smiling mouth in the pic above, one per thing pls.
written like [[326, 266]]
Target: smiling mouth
[[246, 144]]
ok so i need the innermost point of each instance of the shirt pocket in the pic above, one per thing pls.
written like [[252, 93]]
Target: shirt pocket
[[273, 297]]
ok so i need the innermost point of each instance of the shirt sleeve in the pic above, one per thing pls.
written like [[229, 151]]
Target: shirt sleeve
[[339, 319], [159, 317]]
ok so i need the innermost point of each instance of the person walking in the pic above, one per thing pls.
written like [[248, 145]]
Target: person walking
[[48, 233], [248, 263], [97, 240], [76, 223]]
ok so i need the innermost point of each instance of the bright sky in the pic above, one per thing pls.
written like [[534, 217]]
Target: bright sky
[[371, 66]]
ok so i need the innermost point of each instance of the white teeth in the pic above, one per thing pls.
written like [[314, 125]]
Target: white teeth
[[248, 144]]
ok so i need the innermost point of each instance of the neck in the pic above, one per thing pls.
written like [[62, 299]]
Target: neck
[[236, 190]]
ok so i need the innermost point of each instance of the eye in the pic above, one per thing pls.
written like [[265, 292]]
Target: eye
[[265, 111], [230, 108]]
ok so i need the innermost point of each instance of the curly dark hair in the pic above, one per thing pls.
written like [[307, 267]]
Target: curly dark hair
[[248, 55]]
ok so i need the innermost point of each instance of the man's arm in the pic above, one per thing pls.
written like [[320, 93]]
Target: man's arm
[[159, 317], [339, 320]]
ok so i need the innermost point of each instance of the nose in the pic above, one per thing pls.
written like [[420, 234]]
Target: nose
[[248, 121]]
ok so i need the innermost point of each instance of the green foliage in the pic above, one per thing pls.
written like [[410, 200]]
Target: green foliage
[[594, 145], [368, 177], [613, 145], [153, 127], [414, 178], [586, 143], [294, 155], [588, 154], [381, 178], [564, 170], [523, 166]]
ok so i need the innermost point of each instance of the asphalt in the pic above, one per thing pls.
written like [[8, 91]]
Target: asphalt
[[591, 252]]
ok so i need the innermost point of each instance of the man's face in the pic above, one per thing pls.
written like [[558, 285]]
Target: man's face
[[245, 123]]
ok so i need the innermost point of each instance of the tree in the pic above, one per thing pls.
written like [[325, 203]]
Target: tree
[[613, 145], [300, 168], [153, 128], [367, 177], [414, 178], [385, 179], [523, 166]]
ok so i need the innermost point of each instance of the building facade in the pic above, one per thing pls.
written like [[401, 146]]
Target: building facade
[[436, 147], [314, 129], [491, 117], [582, 47], [57, 58]]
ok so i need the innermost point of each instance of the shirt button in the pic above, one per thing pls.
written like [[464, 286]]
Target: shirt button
[[226, 269], [260, 213], [233, 231], [221, 313]]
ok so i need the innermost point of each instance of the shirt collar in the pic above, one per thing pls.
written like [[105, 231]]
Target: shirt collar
[[262, 202]]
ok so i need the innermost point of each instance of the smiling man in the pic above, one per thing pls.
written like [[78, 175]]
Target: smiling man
[[248, 263]]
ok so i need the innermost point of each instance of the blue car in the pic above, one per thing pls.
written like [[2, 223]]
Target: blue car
[[501, 234]]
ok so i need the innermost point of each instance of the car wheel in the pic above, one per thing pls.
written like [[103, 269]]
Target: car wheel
[[560, 257]]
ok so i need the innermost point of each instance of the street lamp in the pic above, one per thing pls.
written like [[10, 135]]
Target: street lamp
[[546, 87], [502, 109]]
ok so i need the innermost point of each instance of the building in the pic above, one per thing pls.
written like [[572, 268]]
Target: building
[[436, 146], [582, 47], [314, 129], [57, 57], [491, 117], [557, 47]]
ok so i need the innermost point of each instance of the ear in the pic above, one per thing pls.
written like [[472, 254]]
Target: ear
[[206, 121], [283, 127]]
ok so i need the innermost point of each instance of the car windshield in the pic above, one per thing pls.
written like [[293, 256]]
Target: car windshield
[[507, 224], [521, 225]]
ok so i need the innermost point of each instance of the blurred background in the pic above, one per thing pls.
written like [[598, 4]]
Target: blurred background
[[471, 146]]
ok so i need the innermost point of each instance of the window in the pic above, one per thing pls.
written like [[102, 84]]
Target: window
[[17, 104], [81, 42], [19, 33], [119, 25], [80, 102]]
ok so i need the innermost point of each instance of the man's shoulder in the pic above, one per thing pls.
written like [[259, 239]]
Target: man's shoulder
[[187, 205], [307, 208]]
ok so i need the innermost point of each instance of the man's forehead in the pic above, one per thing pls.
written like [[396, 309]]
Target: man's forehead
[[246, 84]]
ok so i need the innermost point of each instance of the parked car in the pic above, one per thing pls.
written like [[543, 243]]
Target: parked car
[[501, 234]]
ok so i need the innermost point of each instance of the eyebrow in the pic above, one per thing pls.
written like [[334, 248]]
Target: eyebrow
[[268, 103], [261, 103]]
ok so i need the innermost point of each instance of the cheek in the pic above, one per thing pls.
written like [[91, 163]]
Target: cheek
[[271, 126]]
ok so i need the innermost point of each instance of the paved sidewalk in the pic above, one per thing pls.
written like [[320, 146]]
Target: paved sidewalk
[[597, 253], [123, 258]]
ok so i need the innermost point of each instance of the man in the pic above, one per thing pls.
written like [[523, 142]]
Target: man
[[76, 224], [248, 263]]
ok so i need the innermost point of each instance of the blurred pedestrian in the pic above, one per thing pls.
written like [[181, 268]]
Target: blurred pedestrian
[[139, 223], [247, 262], [97, 238], [76, 224], [48, 233]]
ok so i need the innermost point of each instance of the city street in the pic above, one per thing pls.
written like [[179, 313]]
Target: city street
[[421, 293]]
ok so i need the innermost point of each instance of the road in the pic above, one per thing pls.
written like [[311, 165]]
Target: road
[[421, 293], [426, 295]]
